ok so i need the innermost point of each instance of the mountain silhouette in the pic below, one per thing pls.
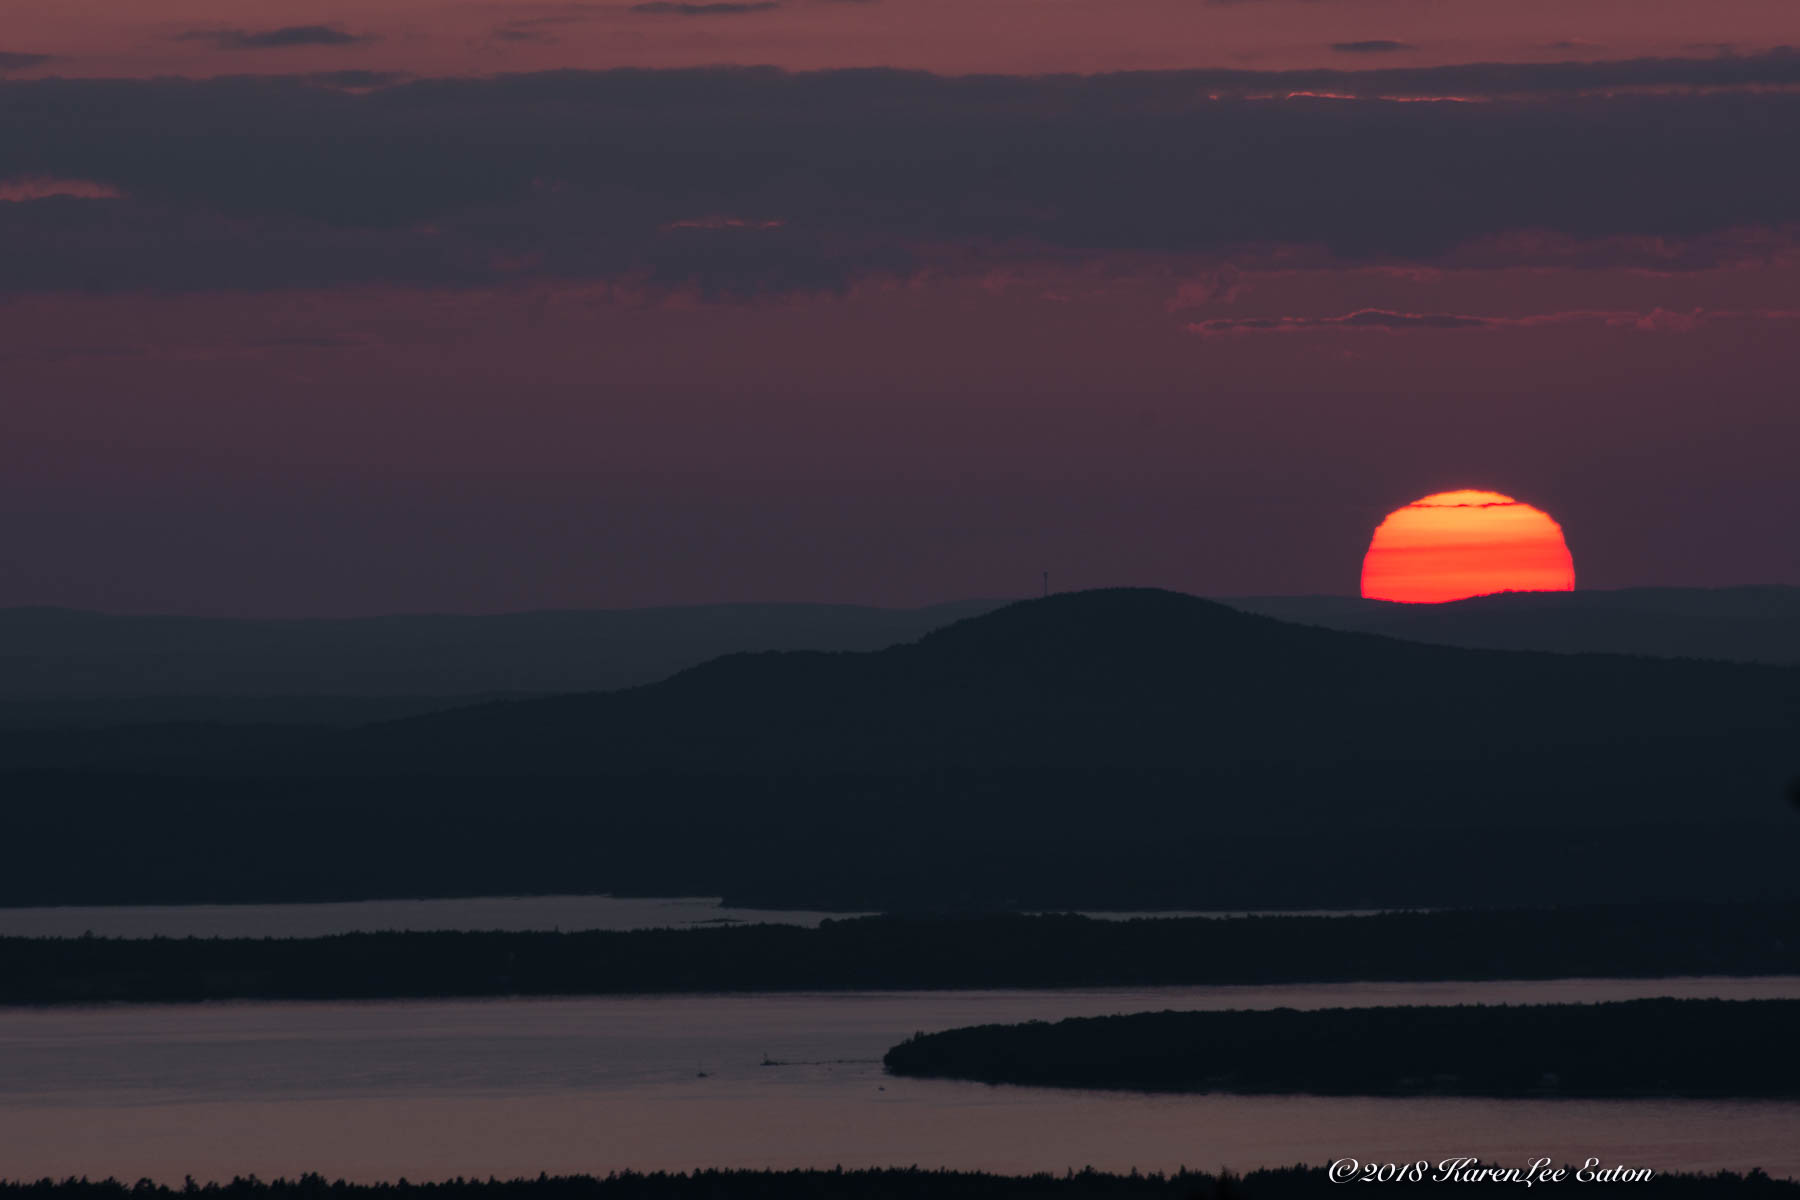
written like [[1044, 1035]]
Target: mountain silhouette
[[66, 668], [1133, 678], [1124, 748]]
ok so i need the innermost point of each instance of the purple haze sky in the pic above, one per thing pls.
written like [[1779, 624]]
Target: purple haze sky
[[419, 306]]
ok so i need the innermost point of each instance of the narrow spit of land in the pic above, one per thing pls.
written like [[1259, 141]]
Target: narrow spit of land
[[919, 952], [908, 1184], [1740, 1048]]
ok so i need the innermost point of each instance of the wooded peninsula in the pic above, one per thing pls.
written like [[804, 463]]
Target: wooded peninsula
[[891, 952], [1658, 1047]]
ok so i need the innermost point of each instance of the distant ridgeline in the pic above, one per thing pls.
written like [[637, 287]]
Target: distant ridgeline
[[1121, 749], [68, 667], [918, 952], [1624, 1048], [71, 667], [1742, 624]]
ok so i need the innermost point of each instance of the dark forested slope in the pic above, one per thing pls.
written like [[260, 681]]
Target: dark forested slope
[[1127, 678], [1097, 749]]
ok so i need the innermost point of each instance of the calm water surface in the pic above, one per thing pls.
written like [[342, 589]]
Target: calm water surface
[[513, 913], [511, 1087], [540, 913]]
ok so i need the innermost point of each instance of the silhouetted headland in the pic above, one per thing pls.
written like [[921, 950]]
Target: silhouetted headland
[[1622, 1048]]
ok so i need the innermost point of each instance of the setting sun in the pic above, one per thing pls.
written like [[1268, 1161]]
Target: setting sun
[[1452, 545]]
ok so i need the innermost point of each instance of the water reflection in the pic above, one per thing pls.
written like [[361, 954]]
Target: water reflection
[[508, 1087], [512, 913]]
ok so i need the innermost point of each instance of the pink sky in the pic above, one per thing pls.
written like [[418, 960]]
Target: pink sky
[[432, 37], [272, 346], [483, 451]]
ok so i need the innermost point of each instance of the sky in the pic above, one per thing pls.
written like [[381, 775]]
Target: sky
[[405, 305]]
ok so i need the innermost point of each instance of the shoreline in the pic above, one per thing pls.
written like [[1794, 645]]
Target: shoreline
[[921, 953]]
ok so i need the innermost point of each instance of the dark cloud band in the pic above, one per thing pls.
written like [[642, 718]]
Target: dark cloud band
[[741, 181], [668, 8], [273, 39]]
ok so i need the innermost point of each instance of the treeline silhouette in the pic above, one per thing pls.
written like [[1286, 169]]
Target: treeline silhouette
[[919, 952], [1623, 1048], [1281, 1183]]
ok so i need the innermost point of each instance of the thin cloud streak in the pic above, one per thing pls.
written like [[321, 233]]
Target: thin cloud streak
[[24, 189], [670, 8], [273, 39], [1374, 46], [1657, 320]]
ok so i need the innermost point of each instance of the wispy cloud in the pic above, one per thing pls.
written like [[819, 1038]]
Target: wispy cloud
[[1657, 320], [357, 80], [722, 223], [673, 9], [13, 60], [1366, 318], [25, 188], [1373, 46], [274, 39]]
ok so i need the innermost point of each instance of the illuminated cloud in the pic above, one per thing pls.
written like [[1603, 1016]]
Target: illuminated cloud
[[25, 188]]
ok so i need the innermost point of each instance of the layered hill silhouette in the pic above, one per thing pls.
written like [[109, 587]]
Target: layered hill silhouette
[[74, 667], [66, 668], [1743, 624], [1137, 679], [1124, 748]]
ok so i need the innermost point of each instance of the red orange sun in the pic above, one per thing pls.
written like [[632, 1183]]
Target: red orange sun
[[1452, 545]]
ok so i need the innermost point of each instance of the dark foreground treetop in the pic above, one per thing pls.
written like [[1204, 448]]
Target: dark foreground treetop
[[908, 1184]]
